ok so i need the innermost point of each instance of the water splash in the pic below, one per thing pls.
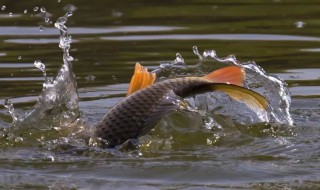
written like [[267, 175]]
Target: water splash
[[196, 52], [8, 104], [39, 65], [271, 87], [172, 69], [59, 97]]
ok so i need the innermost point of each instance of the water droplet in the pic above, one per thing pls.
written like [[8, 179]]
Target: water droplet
[[19, 57], [232, 58], [18, 139], [69, 14], [70, 58], [196, 52], [10, 14], [3, 7], [42, 9], [93, 142], [39, 65], [179, 58], [41, 28], [50, 157], [70, 8], [209, 53], [299, 24], [25, 11], [90, 78], [8, 104], [116, 14], [64, 140], [47, 19], [35, 9]]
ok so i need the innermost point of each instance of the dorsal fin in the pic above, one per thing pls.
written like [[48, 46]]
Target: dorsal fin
[[230, 75], [141, 78]]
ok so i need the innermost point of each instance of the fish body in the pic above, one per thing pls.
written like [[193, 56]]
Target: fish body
[[136, 114]]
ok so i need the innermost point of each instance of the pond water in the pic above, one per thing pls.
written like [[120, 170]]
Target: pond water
[[182, 152]]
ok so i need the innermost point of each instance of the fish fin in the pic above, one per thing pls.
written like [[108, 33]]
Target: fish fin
[[141, 79], [249, 97], [168, 103], [231, 75]]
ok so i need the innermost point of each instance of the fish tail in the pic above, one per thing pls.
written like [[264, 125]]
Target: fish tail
[[249, 97], [230, 75], [141, 79]]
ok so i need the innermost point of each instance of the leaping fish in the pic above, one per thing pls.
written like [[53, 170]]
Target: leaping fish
[[147, 102]]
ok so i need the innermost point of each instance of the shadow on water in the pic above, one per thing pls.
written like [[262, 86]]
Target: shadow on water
[[221, 146]]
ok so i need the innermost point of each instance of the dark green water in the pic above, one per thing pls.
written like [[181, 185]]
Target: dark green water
[[109, 37]]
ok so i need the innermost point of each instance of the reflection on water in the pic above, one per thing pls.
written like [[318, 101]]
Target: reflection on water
[[300, 74], [181, 154], [305, 91], [262, 37], [22, 79], [34, 41], [33, 31]]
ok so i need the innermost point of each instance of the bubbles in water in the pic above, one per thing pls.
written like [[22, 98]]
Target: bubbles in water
[[25, 11], [19, 57], [10, 14], [35, 9], [3, 7]]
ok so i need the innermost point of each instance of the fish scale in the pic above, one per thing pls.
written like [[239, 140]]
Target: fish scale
[[128, 118]]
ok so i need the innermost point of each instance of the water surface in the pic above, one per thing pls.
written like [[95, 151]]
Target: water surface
[[108, 39]]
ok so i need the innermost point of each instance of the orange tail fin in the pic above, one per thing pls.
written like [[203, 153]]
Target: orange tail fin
[[141, 79], [231, 75]]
